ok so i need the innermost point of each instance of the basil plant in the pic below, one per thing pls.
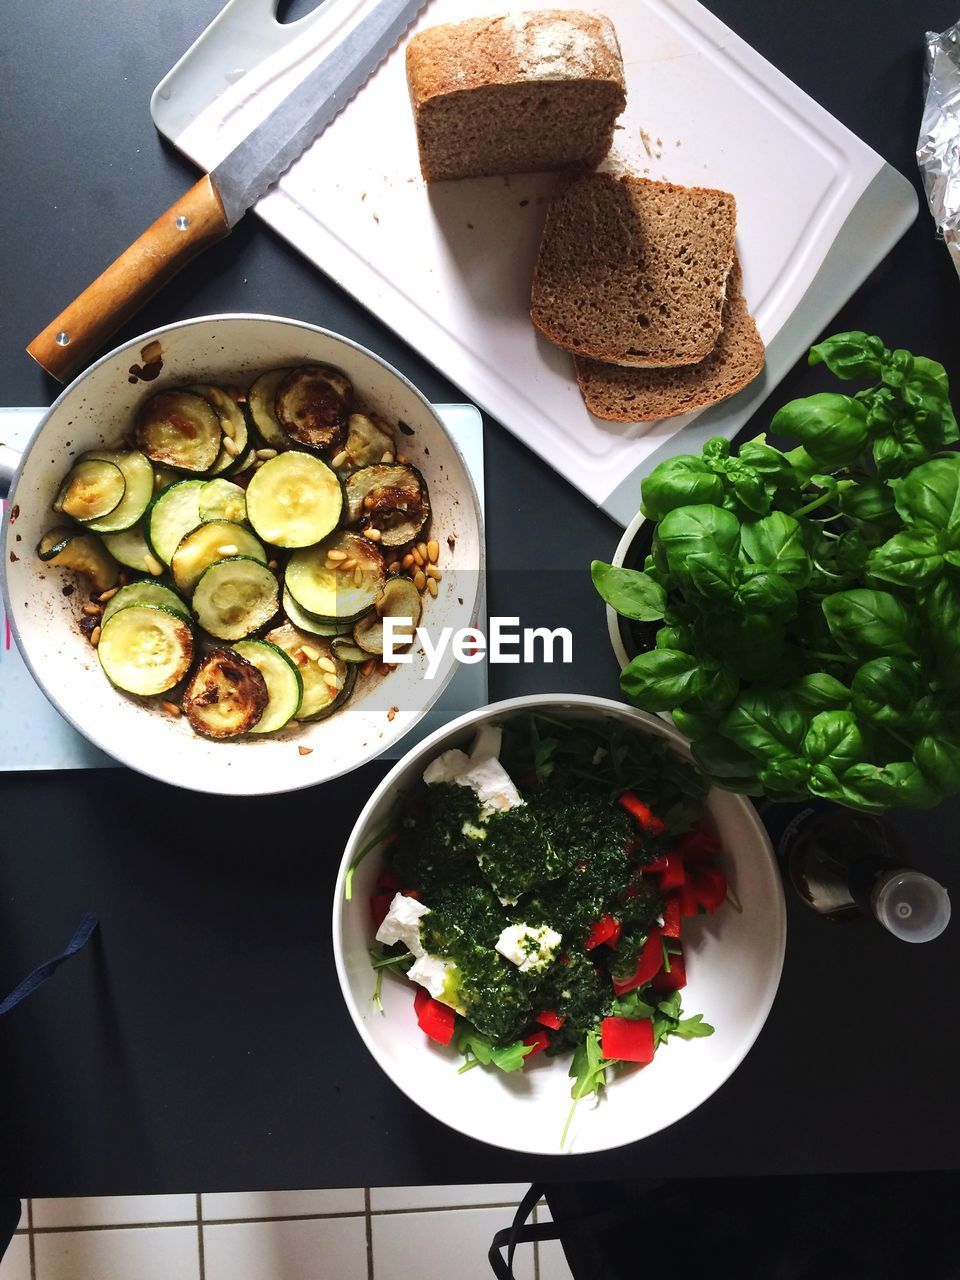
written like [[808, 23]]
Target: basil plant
[[808, 601]]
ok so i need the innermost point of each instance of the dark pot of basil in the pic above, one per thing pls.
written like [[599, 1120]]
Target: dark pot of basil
[[798, 612]]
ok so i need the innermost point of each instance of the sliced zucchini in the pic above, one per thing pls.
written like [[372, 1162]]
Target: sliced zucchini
[[145, 649], [260, 402], [223, 500], [306, 622], [91, 490], [284, 685], [226, 695], [235, 597], [171, 515], [390, 497], [312, 404], [130, 547], [144, 591], [337, 590], [400, 599], [294, 500], [215, 540], [233, 425], [323, 690], [162, 476], [179, 429], [138, 491], [367, 442], [344, 648], [83, 553]]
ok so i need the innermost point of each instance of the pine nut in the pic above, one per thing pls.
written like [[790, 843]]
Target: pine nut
[[433, 572], [266, 454], [407, 560], [372, 534], [121, 579], [336, 555], [170, 708], [154, 567], [340, 459], [157, 480], [419, 580], [273, 564], [432, 587], [92, 610], [422, 548], [311, 651], [256, 466], [331, 680], [392, 712], [108, 595], [367, 668], [433, 551], [326, 664], [95, 636], [228, 549], [402, 459], [230, 446], [368, 502], [418, 559], [226, 426], [393, 566], [383, 669], [292, 724], [305, 751], [387, 457], [348, 564], [358, 576]]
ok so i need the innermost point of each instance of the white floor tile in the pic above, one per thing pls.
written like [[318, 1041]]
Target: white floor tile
[[440, 1197], [16, 1261], [553, 1261], [144, 1253], [114, 1211], [318, 1249], [281, 1204], [441, 1246]]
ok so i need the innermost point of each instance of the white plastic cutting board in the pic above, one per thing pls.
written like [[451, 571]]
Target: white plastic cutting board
[[449, 268]]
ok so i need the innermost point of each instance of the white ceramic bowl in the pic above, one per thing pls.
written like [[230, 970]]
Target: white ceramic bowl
[[97, 409], [734, 964]]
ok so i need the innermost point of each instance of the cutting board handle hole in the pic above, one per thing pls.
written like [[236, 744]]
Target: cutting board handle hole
[[294, 10]]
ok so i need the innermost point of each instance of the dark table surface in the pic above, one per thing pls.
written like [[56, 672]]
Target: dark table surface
[[203, 1043]]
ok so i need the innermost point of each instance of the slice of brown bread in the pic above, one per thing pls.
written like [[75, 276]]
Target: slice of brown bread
[[634, 272], [620, 394], [515, 93]]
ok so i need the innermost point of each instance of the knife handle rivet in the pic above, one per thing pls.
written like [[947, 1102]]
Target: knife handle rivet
[[182, 223], [62, 339]]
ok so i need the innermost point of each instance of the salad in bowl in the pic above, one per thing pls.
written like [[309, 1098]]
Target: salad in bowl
[[537, 904]]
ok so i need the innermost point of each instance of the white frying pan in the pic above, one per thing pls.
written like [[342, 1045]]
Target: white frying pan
[[97, 410]]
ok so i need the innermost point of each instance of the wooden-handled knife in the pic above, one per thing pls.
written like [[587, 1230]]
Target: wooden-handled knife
[[216, 203]]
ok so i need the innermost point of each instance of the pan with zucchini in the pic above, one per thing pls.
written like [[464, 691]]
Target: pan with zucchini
[[240, 551]]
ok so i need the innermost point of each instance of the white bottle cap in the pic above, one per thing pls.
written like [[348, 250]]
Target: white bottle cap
[[912, 906]]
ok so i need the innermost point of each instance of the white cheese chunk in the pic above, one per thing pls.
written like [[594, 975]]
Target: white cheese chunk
[[487, 743], [439, 976], [481, 771], [529, 947], [493, 785], [402, 924], [446, 768]]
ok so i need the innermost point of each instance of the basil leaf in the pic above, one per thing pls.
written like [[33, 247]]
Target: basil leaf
[[768, 593], [767, 721], [832, 428], [787, 778], [695, 530], [912, 558], [866, 623], [939, 762], [940, 612], [712, 574], [930, 495], [885, 690], [850, 355], [665, 678], [776, 542], [721, 758], [834, 739], [821, 692], [900, 783], [632, 594], [680, 482]]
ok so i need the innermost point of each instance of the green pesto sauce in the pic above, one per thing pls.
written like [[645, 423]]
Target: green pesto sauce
[[564, 857]]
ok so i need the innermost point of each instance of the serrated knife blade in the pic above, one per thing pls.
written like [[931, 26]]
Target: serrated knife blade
[[212, 207]]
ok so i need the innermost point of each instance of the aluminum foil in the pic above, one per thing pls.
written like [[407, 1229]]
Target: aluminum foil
[[938, 147]]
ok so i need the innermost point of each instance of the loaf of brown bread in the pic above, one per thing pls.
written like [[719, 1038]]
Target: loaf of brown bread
[[634, 272], [516, 93], [620, 394]]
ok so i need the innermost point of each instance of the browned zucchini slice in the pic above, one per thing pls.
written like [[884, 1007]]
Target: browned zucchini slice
[[226, 695], [338, 580], [93, 489], [261, 403], [399, 599], [179, 429], [323, 690], [83, 553], [312, 405], [390, 497], [225, 401], [367, 442]]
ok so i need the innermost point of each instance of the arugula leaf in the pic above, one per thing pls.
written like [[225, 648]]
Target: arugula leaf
[[588, 1071], [479, 1050], [632, 1006], [692, 1028]]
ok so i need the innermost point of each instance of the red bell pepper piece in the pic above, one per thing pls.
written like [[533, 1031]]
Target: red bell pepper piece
[[665, 982], [549, 1018], [655, 867], [671, 916], [674, 874], [436, 1019], [689, 901], [710, 886], [537, 1040], [696, 844], [649, 962], [642, 814], [380, 905], [387, 880], [627, 1039], [607, 930]]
